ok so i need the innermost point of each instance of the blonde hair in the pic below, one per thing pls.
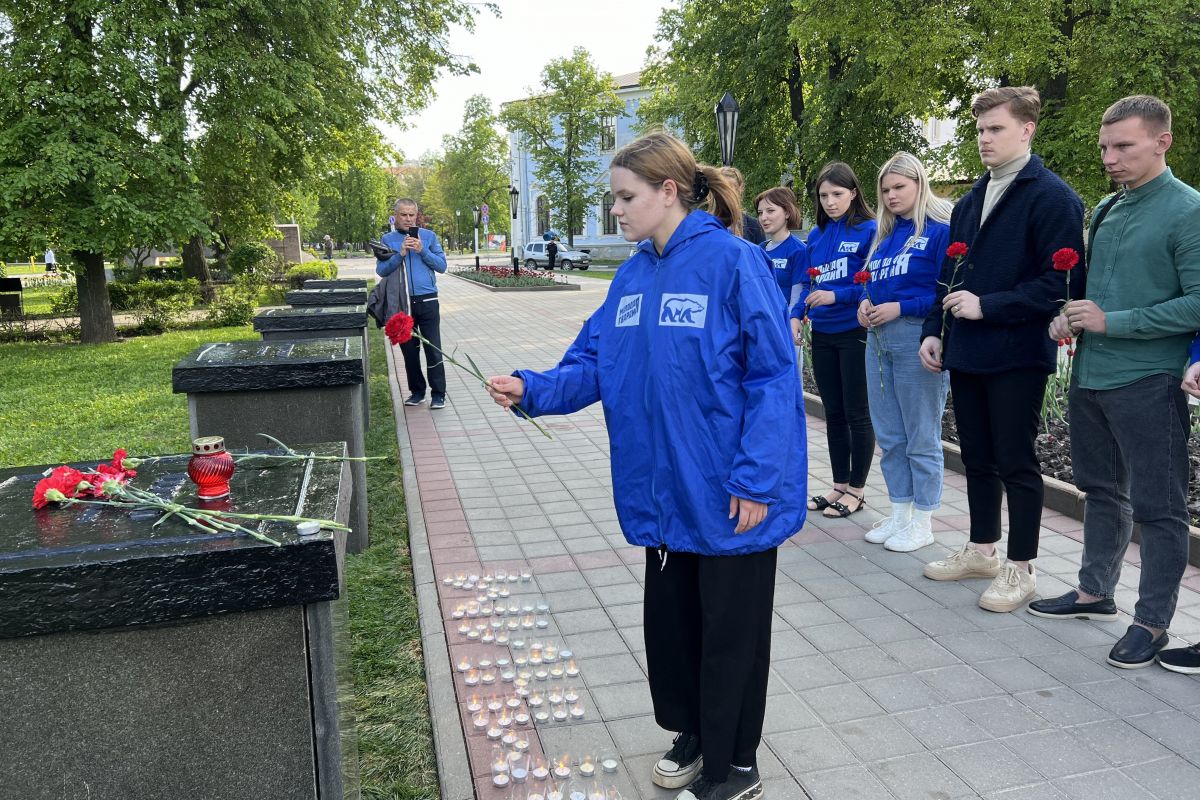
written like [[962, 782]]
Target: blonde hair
[[928, 205], [659, 156], [1023, 102]]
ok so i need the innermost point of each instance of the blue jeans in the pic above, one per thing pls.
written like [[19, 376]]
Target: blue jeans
[[907, 402], [1129, 453]]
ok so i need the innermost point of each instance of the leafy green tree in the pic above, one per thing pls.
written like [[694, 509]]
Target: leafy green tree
[[354, 193], [560, 127]]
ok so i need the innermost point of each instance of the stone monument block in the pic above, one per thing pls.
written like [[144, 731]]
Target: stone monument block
[[327, 297], [336, 283], [294, 390]]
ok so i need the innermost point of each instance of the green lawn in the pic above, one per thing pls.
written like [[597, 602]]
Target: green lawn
[[604, 276], [80, 402]]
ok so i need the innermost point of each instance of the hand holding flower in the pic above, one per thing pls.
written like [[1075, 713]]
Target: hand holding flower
[[963, 305], [1060, 328], [821, 297], [882, 313], [1084, 315], [506, 390]]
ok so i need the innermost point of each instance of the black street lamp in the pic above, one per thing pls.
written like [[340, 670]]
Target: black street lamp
[[477, 211], [727, 119], [513, 194]]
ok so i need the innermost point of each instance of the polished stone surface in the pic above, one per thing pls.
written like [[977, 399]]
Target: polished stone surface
[[327, 297], [289, 364], [311, 318], [336, 283]]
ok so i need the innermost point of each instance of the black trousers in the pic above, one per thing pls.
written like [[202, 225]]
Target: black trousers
[[708, 648], [997, 417], [840, 368], [427, 320]]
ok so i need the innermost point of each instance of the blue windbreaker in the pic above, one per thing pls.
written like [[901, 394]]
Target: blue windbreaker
[[789, 260], [1194, 350], [839, 252], [693, 360], [905, 269]]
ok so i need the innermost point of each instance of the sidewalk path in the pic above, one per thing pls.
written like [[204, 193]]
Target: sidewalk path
[[883, 684]]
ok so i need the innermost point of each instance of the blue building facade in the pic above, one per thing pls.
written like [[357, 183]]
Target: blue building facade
[[599, 233]]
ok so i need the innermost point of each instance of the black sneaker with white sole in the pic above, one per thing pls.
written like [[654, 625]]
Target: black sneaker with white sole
[[414, 400], [1181, 659], [740, 785], [438, 401], [679, 765]]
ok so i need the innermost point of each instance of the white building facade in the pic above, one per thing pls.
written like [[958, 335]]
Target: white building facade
[[599, 233]]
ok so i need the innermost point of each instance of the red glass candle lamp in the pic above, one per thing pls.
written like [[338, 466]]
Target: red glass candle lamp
[[210, 467]]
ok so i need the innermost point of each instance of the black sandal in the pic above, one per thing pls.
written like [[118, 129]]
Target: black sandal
[[841, 510], [819, 501]]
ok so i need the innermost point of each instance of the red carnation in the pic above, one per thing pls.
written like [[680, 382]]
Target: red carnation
[[862, 276], [1064, 260], [956, 250], [63, 483], [399, 328], [813, 272]]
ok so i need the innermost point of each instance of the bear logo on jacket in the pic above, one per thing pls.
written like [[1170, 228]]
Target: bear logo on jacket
[[683, 310]]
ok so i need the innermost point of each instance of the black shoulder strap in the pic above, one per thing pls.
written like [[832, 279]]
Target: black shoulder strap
[[1101, 213]]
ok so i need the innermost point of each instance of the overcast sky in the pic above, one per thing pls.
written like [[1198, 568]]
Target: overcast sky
[[511, 51]]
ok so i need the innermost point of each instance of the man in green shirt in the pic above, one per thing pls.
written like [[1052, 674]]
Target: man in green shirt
[[1129, 416]]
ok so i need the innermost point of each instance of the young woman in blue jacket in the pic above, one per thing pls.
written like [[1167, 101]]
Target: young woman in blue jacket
[[691, 357], [906, 399], [778, 215], [838, 247]]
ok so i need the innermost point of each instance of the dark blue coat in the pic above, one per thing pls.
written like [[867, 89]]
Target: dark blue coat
[[1008, 265]]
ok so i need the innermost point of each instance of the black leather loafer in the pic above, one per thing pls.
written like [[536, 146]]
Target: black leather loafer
[[1137, 648], [1067, 606]]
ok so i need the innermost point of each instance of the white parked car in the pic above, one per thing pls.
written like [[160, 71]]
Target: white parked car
[[534, 256]]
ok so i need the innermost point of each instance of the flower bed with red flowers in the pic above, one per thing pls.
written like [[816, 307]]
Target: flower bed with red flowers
[[503, 277]]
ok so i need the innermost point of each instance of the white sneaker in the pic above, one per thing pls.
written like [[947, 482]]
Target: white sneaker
[[909, 539], [966, 562], [1009, 590], [885, 529]]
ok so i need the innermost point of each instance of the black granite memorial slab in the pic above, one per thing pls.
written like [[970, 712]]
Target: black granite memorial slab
[[336, 283], [310, 318], [326, 297], [249, 366], [86, 567]]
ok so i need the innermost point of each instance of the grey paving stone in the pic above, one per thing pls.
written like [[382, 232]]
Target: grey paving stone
[[624, 615], [840, 703], [941, 726], [634, 636], [803, 615], [1078, 633], [887, 629], [1002, 716], [571, 600], [902, 692], [608, 576], [809, 672], [786, 712], [906, 600], [1169, 778], [1038, 791], [1121, 697], [589, 544], [1055, 754], [975, 646], [1119, 743], [919, 654], [1062, 706], [842, 783], [788, 643], [1173, 729], [627, 594], [958, 682], [560, 581], [837, 636], [920, 777], [534, 534], [939, 621], [569, 518], [877, 739], [1028, 641], [1016, 675], [859, 608], [988, 766], [804, 571], [862, 663], [623, 700], [595, 644], [541, 549], [851, 564], [1071, 668], [635, 736], [949, 594], [584, 531], [575, 740], [606, 670], [788, 592], [830, 588], [1107, 785], [810, 750], [1171, 687]]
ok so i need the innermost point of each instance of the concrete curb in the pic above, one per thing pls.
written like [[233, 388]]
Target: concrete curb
[[1061, 496], [449, 745]]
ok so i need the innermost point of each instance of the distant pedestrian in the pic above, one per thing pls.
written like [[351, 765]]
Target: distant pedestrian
[[328, 248], [751, 230], [551, 254], [51, 262]]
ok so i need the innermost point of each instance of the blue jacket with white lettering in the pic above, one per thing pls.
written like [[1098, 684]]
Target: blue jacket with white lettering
[[790, 261], [838, 251], [905, 269], [692, 358]]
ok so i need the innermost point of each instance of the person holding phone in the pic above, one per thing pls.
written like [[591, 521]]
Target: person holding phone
[[415, 288]]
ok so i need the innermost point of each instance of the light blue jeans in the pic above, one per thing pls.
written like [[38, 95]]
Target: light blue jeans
[[907, 402]]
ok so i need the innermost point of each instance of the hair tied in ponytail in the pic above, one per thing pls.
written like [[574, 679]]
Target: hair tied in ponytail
[[699, 187]]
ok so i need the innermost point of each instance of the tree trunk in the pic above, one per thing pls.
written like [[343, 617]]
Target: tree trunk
[[196, 266], [95, 310]]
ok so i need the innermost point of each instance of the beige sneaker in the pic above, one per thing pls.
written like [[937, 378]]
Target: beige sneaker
[[966, 563], [1009, 590]]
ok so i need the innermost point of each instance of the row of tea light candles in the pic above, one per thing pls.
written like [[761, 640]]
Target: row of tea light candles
[[541, 664], [518, 766], [483, 606], [488, 581], [559, 705]]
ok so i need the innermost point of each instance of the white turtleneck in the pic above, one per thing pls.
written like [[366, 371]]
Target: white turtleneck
[[1002, 178]]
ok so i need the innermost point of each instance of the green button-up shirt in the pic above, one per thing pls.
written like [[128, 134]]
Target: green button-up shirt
[[1145, 276]]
